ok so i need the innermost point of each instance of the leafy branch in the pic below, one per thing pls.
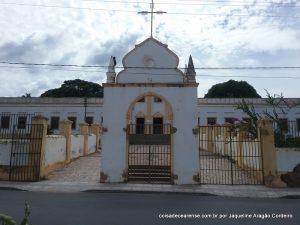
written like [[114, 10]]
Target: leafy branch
[[7, 220]]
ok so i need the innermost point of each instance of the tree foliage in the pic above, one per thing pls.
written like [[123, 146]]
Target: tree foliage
[[26, 95], [7, 220], [232, 89], [75, 88], [277, 104]]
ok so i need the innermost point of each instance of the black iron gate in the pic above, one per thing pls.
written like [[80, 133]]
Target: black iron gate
[[25, 156], [229, 155], [149, 153]]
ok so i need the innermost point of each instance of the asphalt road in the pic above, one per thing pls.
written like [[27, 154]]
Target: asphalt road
[[145, 209]]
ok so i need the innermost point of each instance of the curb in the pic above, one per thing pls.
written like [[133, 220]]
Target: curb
[[290, 197], [11, 189], [150, 192]]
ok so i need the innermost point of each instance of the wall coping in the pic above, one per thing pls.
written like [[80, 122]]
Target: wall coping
[[288, 149], [99, 101], [50, 101]]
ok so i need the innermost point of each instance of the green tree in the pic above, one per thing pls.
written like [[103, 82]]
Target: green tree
[[277, 104], [27, 95], [75, 88], [232, 89]]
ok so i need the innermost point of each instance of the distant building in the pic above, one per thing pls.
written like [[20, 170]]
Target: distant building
[[209, 110]]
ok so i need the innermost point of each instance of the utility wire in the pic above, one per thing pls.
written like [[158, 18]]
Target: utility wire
[[156, 74], [215, 3], [149, 68], [133, 11]]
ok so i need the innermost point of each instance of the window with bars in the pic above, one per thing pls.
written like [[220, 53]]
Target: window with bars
[[89, 120], [22, 122], [156, 99], [230, 120], [284, 124], [54, 123], [211, 120], [5, 122], [74, 120]]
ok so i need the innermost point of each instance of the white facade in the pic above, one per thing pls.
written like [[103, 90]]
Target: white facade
[[54, 107], [219, 108], [178, 107], [222, 108]]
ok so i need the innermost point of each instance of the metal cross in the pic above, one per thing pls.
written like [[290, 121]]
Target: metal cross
[[152, 13]]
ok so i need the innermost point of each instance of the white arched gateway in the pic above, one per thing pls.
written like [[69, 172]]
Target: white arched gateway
[[150, 110], [149, 139]]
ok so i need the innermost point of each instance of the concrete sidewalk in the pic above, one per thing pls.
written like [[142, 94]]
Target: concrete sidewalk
[[250, 191]]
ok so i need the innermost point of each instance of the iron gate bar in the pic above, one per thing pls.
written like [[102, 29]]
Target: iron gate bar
[[26, 153], [225, 159], [149, 153]]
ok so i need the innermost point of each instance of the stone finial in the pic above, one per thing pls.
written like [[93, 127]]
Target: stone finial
[[190, 71], [111, 73]]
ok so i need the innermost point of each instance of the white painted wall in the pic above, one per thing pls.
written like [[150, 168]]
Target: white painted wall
[[76, 145], [184, 103], [222, 108], [219, 108], [55, 150], [49, 107], [5, 150], [150, 53], [91, 143], [287, 159]]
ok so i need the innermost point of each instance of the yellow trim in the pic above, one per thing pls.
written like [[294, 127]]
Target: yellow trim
[[168, 107]]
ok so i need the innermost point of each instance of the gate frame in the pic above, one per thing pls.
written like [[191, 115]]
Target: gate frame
[[232, 173], [126, 171], [38, 131]]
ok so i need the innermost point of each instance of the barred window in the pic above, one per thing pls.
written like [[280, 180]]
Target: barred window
[[73, 119], [22, 122], [5, 122], [284, 124], [230, 120], [211, 120], [54, 123], [156, 99], [89, 120]]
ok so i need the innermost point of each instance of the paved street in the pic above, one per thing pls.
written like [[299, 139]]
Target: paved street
[[84, 169], [142, 209]]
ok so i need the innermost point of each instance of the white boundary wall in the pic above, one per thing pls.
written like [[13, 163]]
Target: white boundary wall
[[287, 159], [55, 150], [5, 149], [91, 143], [76, 146]]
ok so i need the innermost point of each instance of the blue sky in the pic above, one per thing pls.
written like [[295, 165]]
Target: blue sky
[[217, 33]]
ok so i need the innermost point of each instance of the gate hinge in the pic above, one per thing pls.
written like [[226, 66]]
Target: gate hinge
[[196, 130], [125, 175], [174, 130], [196, 178], [103, 177], [174, 177]]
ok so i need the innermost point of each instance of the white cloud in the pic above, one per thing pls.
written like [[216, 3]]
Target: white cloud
[[82, 36]]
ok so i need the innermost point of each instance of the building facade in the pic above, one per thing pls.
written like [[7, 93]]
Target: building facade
[[209, 110]]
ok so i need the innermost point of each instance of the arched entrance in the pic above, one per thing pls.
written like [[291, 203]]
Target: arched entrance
[[149, 139]]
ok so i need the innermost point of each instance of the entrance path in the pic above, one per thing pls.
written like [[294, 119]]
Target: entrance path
[[84, 169]]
